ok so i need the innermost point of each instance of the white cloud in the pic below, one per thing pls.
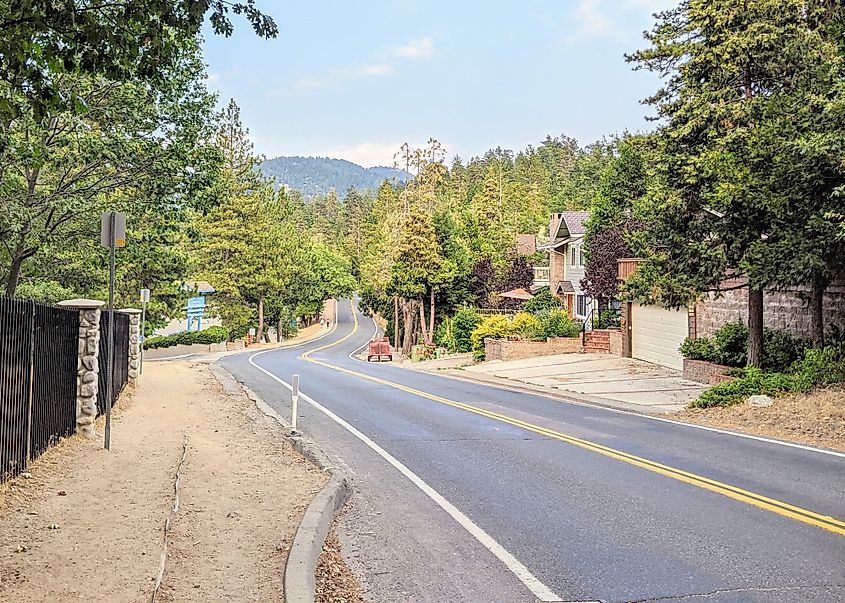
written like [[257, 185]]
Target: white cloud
[[365, 71], [339, 75], [308, 83], [368, 154], [591, 22], [421, 48]]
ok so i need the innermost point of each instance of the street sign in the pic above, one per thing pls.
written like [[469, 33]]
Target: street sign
[[113, 237], [145, 296]]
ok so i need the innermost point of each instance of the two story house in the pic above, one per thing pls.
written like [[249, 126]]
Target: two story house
[[566, 260]]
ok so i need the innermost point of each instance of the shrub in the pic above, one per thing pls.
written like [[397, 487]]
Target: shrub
[[609, 319], [525, 324], [210, 335], [496, 326], [699, 349], [780, 350], [731, 342], [818, 367], [444, 335], [556, 323], [464, 322], [542, 302]]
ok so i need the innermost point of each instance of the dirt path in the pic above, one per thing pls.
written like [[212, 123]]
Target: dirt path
[[88, 524]]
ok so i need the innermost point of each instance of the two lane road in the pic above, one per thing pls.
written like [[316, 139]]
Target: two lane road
[[465, 492]]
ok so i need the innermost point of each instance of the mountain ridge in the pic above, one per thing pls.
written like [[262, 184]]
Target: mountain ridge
[[313, 176]]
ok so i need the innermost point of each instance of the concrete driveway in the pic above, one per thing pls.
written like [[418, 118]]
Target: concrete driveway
[[626, 382]]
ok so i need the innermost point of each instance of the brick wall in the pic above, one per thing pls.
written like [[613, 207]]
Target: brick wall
[[786, 310], [556, 270], [514, 349]]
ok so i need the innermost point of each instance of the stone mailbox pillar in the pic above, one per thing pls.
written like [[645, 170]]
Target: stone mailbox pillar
[[88, 363], [134, 343]]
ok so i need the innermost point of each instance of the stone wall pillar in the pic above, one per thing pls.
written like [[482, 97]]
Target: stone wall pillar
[[88, 364], [134, 343]]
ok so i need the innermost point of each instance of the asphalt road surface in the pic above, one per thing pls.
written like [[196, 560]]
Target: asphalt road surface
[[465, 492]]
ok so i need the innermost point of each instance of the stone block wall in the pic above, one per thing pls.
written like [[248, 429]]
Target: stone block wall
[[88, 365], [134, 343], [616, 342], [787, 310], [515, 349]]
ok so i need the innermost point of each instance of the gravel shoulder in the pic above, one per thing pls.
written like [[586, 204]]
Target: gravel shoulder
[[816, 418], [89, 523]]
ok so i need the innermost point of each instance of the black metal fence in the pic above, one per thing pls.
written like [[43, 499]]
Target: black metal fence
[[38, 366], [121, 358]]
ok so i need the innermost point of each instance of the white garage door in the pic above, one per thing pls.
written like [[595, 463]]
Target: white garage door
[[657, 333]]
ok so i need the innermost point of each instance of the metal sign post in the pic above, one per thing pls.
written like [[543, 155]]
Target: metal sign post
[[145, 299], [112, 236], [294, 399]]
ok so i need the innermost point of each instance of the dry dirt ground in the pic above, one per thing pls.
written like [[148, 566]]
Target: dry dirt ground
[[335, 582], [816, 419], [88, 524]]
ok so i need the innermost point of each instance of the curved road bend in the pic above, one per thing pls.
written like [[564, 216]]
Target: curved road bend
[[465, 492]]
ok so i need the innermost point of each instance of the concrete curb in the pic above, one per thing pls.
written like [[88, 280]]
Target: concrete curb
[[301, 566]]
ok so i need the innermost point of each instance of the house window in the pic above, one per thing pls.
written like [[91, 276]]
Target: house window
[[581, 305], [576, 256]]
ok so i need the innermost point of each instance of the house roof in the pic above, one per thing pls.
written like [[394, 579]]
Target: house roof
[[575, 221], [565, 287], [574, 225]]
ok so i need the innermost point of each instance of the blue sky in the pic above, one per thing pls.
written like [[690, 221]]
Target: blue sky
[[355, 80]]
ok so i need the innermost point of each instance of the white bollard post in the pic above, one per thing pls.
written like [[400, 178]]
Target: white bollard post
[[293, 401]]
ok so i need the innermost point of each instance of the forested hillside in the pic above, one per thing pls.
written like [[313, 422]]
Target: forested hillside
[[318, 175]]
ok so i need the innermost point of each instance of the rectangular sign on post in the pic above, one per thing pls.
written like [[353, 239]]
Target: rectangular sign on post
[[116, 238], [145, 296]]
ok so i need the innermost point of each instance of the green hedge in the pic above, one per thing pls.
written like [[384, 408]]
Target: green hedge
[[729, 346], [206, 336], [551, 323], [818, 367]]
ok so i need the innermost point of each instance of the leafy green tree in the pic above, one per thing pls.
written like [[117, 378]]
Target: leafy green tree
[[729, 66], [133, 148], [128, 40]]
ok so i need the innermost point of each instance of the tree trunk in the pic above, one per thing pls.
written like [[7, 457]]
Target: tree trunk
[[422, 323], [18, 257], [431, 316], [755, 328], [408, 326], [279, 331], [260, 333], [817, 312], [14, 276], [395, 322]]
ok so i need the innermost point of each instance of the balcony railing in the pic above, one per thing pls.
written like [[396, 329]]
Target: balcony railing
[[626, 267], [541, 275]]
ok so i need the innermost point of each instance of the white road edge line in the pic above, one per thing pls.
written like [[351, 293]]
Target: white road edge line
[[170, 357], [537, 588], [634, 413], [366, 343]]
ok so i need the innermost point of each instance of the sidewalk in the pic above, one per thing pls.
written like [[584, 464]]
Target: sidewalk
[[89, 523], [592, 378]]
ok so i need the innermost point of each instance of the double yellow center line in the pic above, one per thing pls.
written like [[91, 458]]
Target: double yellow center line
[[770, 504]]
